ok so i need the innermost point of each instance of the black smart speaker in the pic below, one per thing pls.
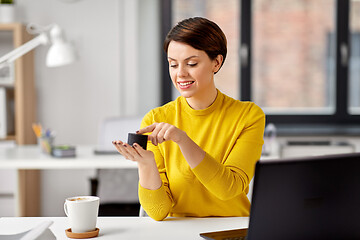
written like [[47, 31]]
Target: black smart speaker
[[137, 138]]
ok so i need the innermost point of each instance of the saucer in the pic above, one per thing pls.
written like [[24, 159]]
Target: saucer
[[90, 234]]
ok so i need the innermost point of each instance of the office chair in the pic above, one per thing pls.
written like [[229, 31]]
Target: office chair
[[142, 212], [117, 188]]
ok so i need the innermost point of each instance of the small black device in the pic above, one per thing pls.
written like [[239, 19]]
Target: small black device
[[137, 138]]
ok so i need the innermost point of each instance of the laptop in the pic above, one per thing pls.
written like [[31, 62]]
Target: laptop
[[303, 198]]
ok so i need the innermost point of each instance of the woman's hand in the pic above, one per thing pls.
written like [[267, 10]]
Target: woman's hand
[[134, 153], [162, 132], [149, 176]]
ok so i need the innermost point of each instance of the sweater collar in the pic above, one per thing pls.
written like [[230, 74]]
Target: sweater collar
[[186, 107]]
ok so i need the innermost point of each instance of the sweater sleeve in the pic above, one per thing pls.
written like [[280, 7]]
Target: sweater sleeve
[[230, 177], [156, 203]]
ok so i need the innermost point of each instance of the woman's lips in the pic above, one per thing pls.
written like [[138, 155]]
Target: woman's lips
[[185, 84]]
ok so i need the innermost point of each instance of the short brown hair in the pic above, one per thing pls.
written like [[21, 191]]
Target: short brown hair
[[201, 34]]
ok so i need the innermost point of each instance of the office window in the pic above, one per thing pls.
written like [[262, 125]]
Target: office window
[[354, 67], [293, 65], [299, 58], [226, 14]]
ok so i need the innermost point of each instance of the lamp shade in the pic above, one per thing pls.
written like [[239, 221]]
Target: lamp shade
[[60, 53]]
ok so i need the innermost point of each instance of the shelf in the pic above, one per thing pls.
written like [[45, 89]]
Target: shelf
[[9, 138], [10, 26], [23, 91], [28, 192]]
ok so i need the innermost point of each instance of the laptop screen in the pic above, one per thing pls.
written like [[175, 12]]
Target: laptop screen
[[307, 198]]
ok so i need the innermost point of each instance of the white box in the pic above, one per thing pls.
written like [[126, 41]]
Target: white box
[[6, 114], [8, 181], [7, 207], [8, 187], [7, 75]]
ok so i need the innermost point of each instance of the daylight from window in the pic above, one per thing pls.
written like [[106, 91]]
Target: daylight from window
[[293, 64], [354, 69], [293, 56], [226, 14]]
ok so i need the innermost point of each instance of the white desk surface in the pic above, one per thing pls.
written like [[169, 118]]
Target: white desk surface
[[132, 227], [30, 157]]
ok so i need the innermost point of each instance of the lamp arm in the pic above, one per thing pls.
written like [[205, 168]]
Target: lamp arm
[[25, 48]]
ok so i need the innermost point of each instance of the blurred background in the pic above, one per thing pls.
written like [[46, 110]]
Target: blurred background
[[298, 60]]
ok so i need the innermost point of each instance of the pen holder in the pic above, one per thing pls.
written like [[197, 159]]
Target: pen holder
[[46, 143]]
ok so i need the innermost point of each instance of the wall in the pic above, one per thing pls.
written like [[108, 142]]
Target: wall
[[116, 74], [73, 98]]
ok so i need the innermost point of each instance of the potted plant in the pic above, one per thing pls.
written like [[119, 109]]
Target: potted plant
[[7, 11]]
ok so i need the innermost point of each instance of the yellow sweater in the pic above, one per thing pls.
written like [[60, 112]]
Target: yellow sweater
[[231, 134]]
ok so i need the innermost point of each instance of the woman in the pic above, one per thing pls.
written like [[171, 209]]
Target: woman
[[204, 145]]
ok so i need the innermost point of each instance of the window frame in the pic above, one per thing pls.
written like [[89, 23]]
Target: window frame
[[341, 116], [165, 21]]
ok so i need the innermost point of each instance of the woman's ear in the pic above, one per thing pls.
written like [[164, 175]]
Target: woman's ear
[[218, 62]]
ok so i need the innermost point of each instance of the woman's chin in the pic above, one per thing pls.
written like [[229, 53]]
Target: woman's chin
[[186, 94]]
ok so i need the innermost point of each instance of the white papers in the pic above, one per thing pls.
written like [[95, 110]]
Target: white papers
[[40, 232], [6, 114], [3, 112]]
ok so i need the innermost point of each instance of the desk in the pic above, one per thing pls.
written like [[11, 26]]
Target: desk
[[27, 160], [133, 227], [29, 157]]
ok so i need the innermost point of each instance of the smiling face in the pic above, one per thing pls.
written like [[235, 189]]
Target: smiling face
[[192, 73]]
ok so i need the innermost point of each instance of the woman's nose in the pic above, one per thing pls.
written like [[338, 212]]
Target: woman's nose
[[182, 72]]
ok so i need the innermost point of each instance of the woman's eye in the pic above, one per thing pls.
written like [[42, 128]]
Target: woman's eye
[[173, 65], [192, 64]]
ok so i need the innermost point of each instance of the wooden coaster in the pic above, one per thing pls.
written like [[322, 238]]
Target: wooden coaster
[[90, 234]]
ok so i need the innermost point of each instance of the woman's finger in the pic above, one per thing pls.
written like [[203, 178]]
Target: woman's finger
[[124, 151], [121, 149], [145, 155], [139, 149], [161, 135], [116, 145], [131, 152], [147, 129], [154, 134]]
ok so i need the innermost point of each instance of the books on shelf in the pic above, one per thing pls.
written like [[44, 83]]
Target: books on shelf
[[63, 151]]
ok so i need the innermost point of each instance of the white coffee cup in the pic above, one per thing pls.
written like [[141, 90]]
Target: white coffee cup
[[82, 212]]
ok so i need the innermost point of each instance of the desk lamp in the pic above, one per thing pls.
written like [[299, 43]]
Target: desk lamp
[[60, 52]]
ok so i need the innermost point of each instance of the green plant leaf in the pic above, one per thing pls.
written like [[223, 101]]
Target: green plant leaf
[[6, 1]]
